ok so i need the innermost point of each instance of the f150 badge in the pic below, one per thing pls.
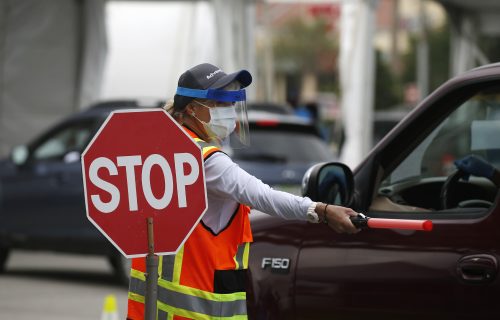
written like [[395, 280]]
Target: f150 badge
[[280, 265]]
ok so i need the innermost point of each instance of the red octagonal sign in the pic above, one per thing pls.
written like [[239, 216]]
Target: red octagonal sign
[[142, 164]]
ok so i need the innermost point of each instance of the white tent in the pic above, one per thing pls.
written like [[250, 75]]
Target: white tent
[[52, 55]]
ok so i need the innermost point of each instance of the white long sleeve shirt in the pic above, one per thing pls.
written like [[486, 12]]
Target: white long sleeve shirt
[[228, 185]]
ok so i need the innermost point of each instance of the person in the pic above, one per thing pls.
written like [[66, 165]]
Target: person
[[206, 278]]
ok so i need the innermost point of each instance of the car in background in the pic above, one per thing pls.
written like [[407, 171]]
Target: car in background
[[282, 148], [300, 270], [270, 107], [42, 204]]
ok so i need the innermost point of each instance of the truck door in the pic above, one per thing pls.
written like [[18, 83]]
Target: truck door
[[448, 273]]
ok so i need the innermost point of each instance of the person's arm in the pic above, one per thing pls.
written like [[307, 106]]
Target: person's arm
[[478, 167], [225, 178]]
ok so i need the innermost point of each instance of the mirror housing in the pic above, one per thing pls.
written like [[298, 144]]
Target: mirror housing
[[331, 182], [19, 155]]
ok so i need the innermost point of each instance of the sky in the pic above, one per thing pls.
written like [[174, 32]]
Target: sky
[[151, 43]]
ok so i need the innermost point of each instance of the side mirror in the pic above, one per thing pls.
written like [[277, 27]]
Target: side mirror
[[19, 155], [331, 182]]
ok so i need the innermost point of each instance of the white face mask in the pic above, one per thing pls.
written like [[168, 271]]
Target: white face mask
[[222, 121]]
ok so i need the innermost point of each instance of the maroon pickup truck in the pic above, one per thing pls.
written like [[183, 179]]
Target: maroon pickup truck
[[300, 270]]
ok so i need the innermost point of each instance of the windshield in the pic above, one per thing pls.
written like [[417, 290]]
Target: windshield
[[284, 147]]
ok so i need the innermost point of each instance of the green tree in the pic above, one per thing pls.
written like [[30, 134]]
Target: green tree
[[302, 45], [439, 58], [306, 47], [491, 47], [388, 91]]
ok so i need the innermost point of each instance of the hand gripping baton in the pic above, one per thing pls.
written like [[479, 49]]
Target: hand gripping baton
[[361, 221]]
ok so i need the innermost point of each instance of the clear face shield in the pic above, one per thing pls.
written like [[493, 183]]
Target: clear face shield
[[228, 125]]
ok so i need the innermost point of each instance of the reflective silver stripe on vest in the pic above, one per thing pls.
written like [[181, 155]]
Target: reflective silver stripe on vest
[[137, 286], [200, 305], [162, 315], [167, 270], [239, 256]]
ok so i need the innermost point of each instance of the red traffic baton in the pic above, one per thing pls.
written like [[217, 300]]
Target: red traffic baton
[[361, 221]]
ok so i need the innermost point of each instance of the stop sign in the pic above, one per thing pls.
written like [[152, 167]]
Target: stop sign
[[142, 164]]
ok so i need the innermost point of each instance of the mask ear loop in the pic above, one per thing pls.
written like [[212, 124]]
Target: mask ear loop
[[210, 133], [202, 104], [193, 114]]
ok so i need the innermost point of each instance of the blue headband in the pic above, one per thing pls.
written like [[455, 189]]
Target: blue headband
[[213, 94]]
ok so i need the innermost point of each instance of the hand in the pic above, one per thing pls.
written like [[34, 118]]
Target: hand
[[338, 218], [476, 166]]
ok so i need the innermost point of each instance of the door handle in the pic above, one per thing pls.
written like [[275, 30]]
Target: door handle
[[478, 268]]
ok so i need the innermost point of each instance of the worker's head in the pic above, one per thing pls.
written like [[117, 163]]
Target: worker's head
[[213, 101]]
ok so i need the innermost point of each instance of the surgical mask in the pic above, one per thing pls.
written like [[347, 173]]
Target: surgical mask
[[222, 121]]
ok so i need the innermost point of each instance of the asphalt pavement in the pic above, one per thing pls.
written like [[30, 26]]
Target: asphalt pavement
[[50, 286]]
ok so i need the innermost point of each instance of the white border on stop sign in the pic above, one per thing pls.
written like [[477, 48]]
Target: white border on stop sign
[[85, 186]]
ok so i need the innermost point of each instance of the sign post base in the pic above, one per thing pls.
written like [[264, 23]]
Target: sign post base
[[151, 276]]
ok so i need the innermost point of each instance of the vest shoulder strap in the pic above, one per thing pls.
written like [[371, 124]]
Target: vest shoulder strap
[[208, 148]]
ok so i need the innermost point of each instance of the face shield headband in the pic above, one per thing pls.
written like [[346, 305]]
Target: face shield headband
[[239, 137], [213, 94]]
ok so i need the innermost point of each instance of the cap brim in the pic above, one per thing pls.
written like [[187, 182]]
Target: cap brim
[[243, 76]]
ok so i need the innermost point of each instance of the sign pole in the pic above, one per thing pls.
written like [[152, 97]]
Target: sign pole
[[151, 275]]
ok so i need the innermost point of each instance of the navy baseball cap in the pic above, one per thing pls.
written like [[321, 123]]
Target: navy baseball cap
[[207, 76]]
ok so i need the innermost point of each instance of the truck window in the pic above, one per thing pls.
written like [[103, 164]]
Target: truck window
[[473, 128]]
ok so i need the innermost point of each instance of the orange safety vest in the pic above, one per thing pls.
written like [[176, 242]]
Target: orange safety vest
[[206, 278]]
